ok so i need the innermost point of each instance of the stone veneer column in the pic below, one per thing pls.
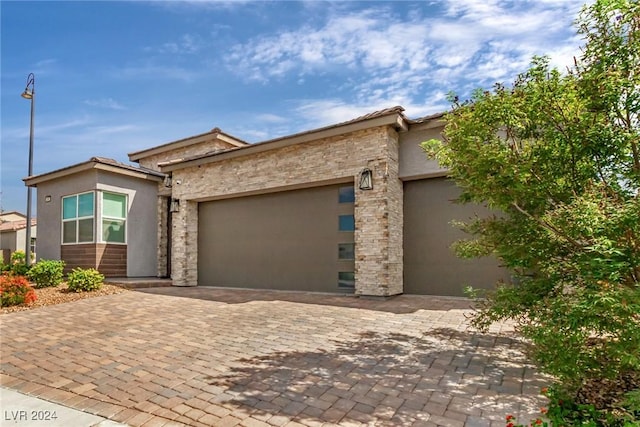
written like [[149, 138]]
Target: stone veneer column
[[162, 235], [378, 235], [184, 250]]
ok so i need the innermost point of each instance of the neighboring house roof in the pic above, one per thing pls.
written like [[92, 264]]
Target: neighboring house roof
[[100, 163], [214, 134], [11, 216], [390, 116], [15, 225]]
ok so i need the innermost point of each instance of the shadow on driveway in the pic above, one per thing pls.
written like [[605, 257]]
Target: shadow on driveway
[[446, 377]]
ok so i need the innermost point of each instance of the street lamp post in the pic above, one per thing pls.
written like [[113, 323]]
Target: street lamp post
[[30, 94]]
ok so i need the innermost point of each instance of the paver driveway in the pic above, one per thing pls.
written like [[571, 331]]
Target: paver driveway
[[216, 357]]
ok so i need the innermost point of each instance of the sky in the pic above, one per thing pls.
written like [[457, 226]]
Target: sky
[[115, 77]]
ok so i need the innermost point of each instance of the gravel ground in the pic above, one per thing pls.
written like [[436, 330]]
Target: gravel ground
[[61, 294]]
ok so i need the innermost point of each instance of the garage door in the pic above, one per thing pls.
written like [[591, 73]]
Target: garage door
[[430, 266], [293, 240]]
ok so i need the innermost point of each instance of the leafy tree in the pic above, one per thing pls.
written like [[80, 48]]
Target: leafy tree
[[558, 155]]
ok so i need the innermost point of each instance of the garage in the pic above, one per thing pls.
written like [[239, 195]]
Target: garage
[[290, 240], [430, 266]]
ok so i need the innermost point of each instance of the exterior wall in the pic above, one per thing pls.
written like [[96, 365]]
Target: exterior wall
[[326, 161], [8, 241], [21, 238], [142, 222], [49, 214], [141, 217], [161, 205], [15, 240], [413, 160], [151, 162], [184, 247], [378, 238], [110, 260]]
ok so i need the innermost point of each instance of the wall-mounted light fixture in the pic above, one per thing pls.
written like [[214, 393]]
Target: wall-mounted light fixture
[[47, 199], [366, 179], [167, 181], [175, 205]]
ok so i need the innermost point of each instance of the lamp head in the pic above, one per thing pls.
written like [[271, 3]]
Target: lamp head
[[29, 89]]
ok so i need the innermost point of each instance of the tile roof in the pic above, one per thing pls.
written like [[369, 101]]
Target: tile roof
[[92, 162], [16, 225]]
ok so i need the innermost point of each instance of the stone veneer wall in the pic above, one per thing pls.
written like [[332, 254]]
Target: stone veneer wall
[[162, 235], [378, 234], [164, 194], [151, 162], [378, 242]]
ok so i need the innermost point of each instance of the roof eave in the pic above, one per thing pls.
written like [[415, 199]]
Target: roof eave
[[196, 139], [33, 181]]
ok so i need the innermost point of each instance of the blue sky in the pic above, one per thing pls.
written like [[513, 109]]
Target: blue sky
[[120, 76]]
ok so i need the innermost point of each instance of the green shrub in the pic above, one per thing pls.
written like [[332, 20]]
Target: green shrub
[[19, 265], [81, 279], [15, 290], [18, 257], [46, 273], [557, 154]]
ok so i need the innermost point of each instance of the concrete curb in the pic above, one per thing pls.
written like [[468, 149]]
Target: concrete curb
[[22, 410]]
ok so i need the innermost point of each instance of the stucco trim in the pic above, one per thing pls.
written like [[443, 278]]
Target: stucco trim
[[94, 163], [436, 174], [436, 122]]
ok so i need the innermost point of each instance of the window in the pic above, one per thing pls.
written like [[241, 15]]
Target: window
[[32, 244], [346, 195], [77, 218], [346, 251], [114, 216], [346, 223], [346, 280]]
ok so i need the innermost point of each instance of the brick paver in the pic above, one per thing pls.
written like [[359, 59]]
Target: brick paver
[[220, 357]]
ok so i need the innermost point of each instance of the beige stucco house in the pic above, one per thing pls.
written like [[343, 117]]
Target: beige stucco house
[[354, 207], [13, 234]]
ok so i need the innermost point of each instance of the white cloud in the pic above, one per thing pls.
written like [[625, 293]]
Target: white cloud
[[271, 118], [187, 44], [388, 58], [108, 103]]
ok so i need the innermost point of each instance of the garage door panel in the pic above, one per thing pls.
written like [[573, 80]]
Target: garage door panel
[[430, 265], [282, 240]]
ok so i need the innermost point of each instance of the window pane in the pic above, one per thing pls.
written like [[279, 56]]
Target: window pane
[[85, 204], [69, 207], [346, 251], [346, 279], [69, 232], [114, 205], [346, 223], [113, 230], [85, 230], [346, 195]]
